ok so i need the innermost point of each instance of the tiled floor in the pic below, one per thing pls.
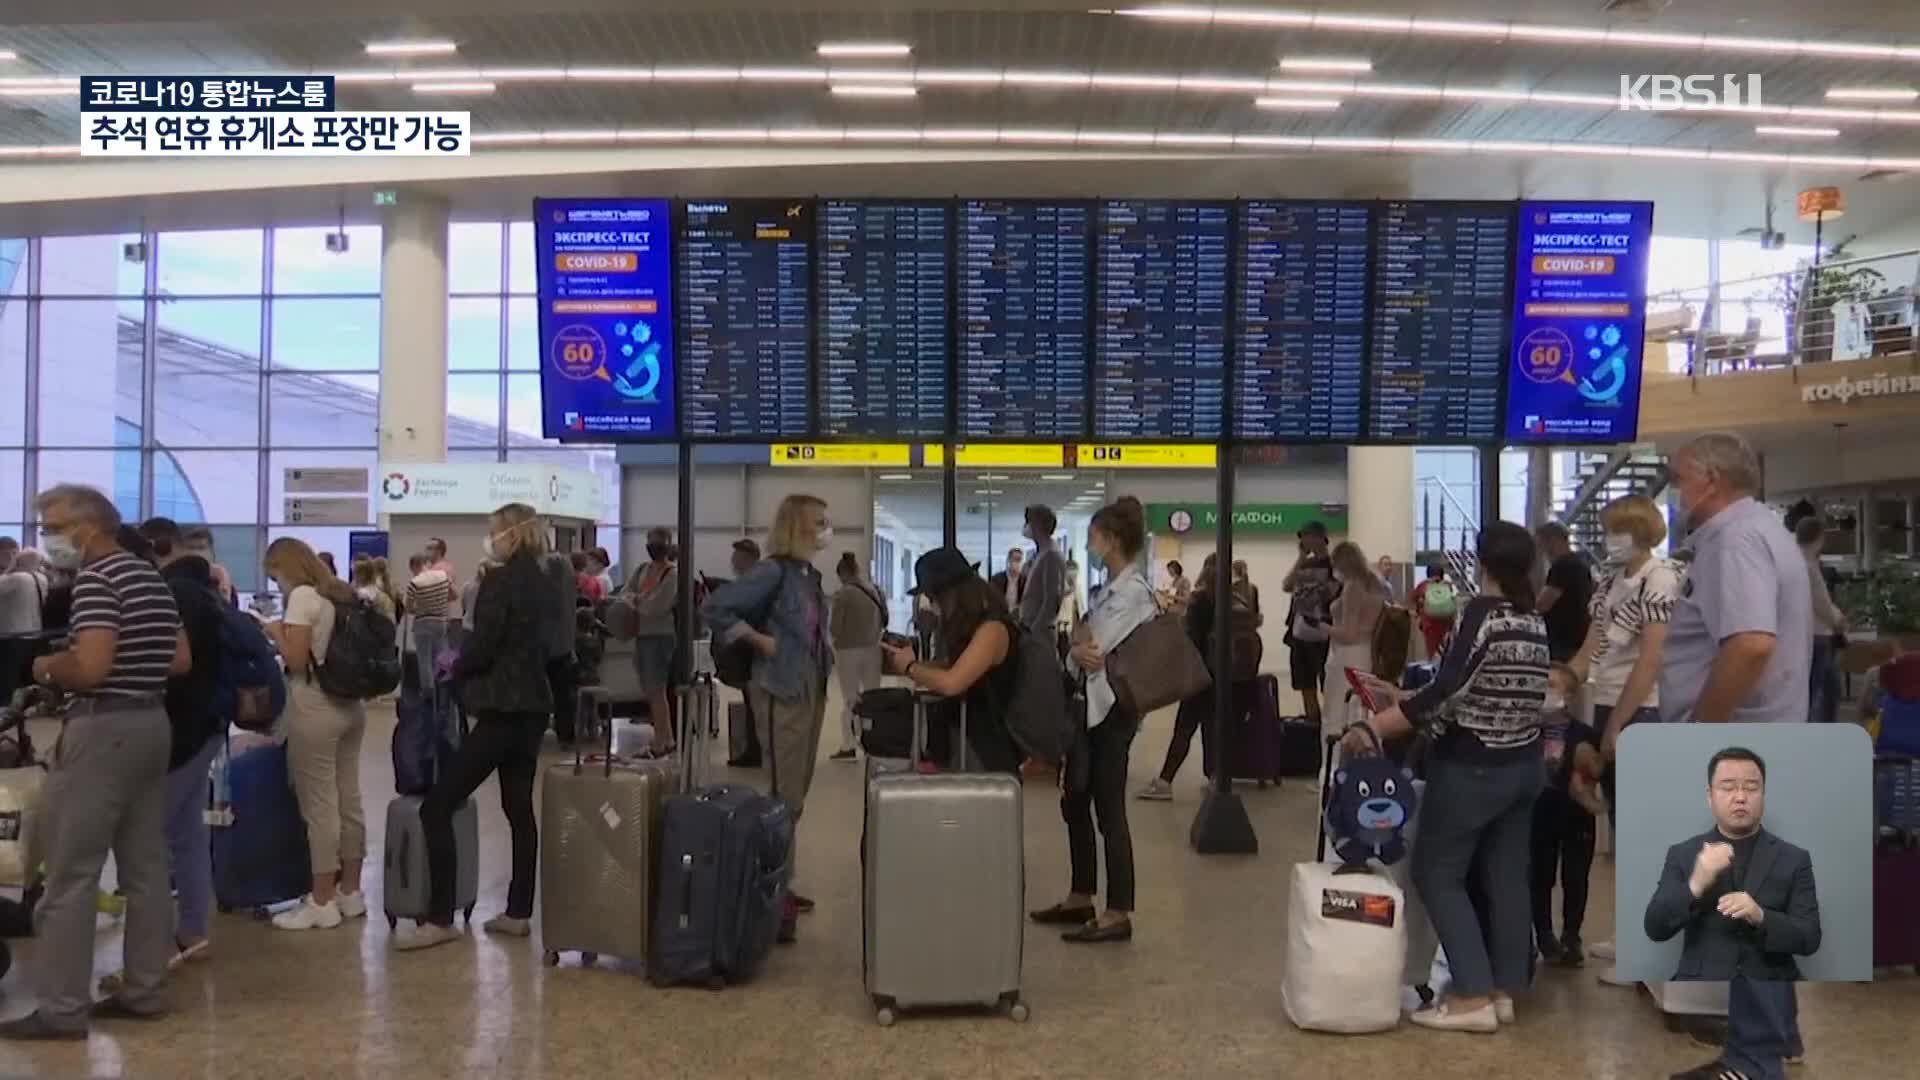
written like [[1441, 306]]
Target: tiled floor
[[1195, 994]]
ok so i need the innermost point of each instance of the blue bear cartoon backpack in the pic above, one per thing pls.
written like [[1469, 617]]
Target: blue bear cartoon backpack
[[1368, 806]]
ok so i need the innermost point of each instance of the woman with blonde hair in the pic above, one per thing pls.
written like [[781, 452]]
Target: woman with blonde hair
[[1620, 660], [502, 677], [323, 738], [369, 583], [794, 657], [1356, 610]]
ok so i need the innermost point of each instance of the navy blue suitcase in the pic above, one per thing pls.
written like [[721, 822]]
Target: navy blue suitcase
[[259, 838], [726, 858]]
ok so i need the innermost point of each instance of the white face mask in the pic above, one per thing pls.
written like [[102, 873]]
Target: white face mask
[[61, 552], [1620, 547], [823, 539]]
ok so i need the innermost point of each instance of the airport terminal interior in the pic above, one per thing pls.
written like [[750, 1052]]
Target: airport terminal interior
[[1404, 269]]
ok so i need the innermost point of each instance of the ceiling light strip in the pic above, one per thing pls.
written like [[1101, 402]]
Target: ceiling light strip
[[411, 48], [1421, 26]]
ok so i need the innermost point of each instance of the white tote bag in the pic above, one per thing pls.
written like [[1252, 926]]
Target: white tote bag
[[20, 792], [1346, 946]]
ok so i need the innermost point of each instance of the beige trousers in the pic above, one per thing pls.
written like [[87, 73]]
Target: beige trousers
[[323, 754]]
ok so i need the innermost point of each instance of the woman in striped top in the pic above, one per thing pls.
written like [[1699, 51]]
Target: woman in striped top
[[1483, 712]]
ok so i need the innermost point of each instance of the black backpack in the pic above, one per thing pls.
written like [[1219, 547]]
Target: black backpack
[[733, 663], [362, 659], [1036, 712]]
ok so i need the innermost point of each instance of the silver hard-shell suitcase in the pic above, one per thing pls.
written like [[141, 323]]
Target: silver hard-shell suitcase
[[406, 884], [599, 838], [945, 888]]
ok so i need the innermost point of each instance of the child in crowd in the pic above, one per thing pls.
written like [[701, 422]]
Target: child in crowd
[[1564, 825]]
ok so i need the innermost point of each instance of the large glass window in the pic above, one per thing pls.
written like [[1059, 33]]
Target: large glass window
[[91, 365], [302, 263], [206, 385], [13, 344], [473, 257], [327, 335], [222, 263], [90, 266]]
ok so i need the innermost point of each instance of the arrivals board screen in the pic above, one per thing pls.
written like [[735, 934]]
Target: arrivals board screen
[[606, 318], [746, 304], [883, 318], [1302, 320], [1440, 321], [1023, 329], [1579, 322], [1160, 323]]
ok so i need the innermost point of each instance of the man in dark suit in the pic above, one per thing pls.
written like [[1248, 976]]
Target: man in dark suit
[[1745, 901]]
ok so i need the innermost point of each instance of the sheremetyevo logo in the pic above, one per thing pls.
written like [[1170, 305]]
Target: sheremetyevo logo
[[1673, 93]]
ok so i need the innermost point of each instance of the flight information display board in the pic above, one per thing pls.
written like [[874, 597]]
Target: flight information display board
[[1302, 321], [746, 304], [1023, 331], [606, 318], [1440, 321], [1579, 322], [883, 318], [1160, 324]]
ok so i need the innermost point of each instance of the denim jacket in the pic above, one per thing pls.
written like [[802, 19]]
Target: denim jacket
[[804, 652]]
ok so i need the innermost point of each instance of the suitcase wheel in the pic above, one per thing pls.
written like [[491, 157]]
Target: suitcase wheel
[[588, 959], [552, 958], [885, 1016], [1018, 1012], [393, 923], [469, 915], [716, 983]]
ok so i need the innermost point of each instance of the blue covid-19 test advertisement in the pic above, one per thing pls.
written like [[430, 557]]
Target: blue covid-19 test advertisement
[[1579, 315], [605, 274]]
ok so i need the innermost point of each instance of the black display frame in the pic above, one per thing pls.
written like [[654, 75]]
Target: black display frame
[[958, 382], [1089, 433], [1366, 341], [1094, 379], [680, 315], [817, 428], [1506, 334]]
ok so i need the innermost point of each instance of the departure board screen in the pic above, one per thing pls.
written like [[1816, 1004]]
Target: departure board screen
[[1023, 332], [1440, 321], [746, 308], [1160, 323], [883, 318], [1302, 322]]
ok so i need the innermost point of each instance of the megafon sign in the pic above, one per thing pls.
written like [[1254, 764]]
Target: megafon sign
[[1677, 93]]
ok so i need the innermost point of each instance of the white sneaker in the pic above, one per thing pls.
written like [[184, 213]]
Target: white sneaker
[[1601, 950], [1483, 1020], [353, 905], [309, 916], [1157, 790], [1611, 977], [425, 936], [1503, 1010]]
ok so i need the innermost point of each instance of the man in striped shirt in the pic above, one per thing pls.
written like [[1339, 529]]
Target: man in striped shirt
[[107, 787], [431, 602]]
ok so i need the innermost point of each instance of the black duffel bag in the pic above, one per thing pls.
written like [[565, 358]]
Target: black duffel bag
[[886, 724]]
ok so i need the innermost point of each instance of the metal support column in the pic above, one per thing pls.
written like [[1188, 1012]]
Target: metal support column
[[1489, 502], [1222, 826]]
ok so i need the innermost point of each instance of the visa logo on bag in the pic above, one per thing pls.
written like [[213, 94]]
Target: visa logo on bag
[[1371, 909]]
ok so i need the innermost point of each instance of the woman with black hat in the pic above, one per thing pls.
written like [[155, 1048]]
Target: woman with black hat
[[976, 634]]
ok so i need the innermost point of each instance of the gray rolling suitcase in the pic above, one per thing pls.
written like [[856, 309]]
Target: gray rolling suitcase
[[945, 885], [599, 838], [405, 891]]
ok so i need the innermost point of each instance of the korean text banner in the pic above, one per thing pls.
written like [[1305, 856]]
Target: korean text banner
[[1579, 319], [606, 318]]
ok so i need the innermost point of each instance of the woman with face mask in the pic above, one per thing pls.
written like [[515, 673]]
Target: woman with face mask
[[780, 609], [1620, 661], [502, 678], [653, 591]]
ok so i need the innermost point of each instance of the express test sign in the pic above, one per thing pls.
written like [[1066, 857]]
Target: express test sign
[[606, 318], [1579, 321]]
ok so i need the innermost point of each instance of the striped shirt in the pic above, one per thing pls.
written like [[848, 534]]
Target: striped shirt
[[430, 595], [1487, 695], [126, 595]]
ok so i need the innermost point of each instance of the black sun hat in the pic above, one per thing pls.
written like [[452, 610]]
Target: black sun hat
[[939, 569]]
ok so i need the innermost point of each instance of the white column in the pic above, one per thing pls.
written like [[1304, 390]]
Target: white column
[[413, 331], [1380, 500]]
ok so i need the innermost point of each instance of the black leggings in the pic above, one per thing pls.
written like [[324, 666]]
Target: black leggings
[[509, 743], [563, 680], [1195, 715], [1563, 841], [1097, 785]]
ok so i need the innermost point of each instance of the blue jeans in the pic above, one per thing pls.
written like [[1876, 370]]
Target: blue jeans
[[1486, 810], [1763, 1025], [1823, 698], [430, 637], [188, 850]]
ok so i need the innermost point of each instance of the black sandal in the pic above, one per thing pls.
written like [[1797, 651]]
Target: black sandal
[[1092, 933], [1061, 915]]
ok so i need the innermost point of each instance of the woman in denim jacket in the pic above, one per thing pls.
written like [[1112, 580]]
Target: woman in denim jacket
[[788, 694]]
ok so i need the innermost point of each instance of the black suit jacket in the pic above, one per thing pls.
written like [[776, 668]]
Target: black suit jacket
[[1779, 878], [503, 659]]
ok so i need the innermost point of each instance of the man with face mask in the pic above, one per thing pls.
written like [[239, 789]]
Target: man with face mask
[[1009, 582], [1741, 640], [1746, 902], [1044, 581], [108, 784]]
